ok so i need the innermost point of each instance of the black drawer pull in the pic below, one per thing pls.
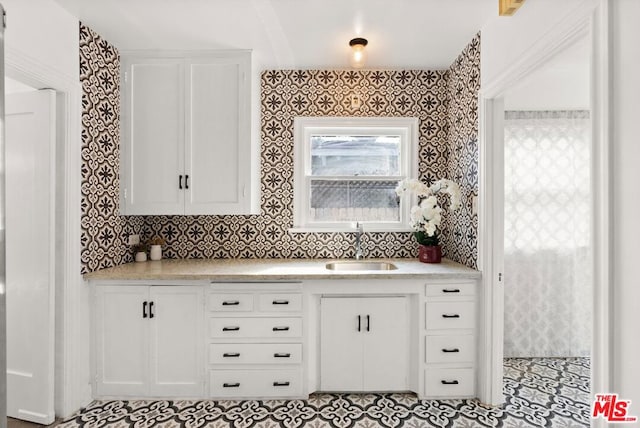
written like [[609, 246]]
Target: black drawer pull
[[450, 290], [231, 385], [280, 383], [144, 309], [231, 354], [230, 303], [450, 316], [450, 350], [281, 355], [230, 328], [449, 382], [280, 328], [280, 302]]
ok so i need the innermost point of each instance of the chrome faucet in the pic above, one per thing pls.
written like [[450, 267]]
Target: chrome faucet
[[359, 232]]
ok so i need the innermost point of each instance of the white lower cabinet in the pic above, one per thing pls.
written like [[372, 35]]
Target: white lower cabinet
[[364, 343], [149, 341], [255, 340], [255, 383], [285, 340], [450, 340]]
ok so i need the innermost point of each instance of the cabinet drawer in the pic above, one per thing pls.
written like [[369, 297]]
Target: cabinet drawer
[[255, 383], [449, 383], [450, 349], [450, 290], [450, 315], [255, 327], [231, 302], [255, 353], [280, 302]]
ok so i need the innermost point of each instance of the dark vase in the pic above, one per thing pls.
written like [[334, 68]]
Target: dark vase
[[430, 253]]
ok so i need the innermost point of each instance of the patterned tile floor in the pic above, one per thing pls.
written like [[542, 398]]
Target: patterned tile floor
[[540, 392]]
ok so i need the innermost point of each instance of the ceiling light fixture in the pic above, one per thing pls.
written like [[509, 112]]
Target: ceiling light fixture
[[357, 56]]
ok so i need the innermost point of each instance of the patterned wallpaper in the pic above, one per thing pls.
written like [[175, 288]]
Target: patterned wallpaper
[[461, 231], [104, 232], [285, 94]]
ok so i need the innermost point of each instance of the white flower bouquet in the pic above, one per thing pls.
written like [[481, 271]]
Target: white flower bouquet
[[427, 215]]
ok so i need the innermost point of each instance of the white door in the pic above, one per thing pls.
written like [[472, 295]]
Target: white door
[[176, 341], [153, 136], [386, 343], [341, 326], [122, 340], [30, 199]]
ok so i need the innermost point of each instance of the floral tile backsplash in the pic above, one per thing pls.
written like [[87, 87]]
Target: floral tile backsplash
[[445, 101]]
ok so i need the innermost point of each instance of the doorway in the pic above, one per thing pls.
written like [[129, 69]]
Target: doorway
[[547, 210], [592, 24]]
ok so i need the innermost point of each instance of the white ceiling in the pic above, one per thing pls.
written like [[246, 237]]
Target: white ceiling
[[294, 33]]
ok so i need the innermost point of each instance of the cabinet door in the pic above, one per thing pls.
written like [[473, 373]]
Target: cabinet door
[[122, 346], [217, 135], [177, 340], [341, 342], [153, 135], [386, 343]]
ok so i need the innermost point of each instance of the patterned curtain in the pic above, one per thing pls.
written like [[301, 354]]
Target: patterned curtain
[[547, 234]]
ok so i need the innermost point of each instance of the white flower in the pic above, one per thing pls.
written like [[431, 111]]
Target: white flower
[[427, 215]]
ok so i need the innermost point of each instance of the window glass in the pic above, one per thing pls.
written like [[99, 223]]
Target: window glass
[[353, 155], [346, 170]]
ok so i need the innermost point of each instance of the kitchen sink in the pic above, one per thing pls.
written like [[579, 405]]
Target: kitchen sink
[[360, 266]]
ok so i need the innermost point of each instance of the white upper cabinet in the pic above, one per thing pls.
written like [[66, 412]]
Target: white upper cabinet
[[186, 143]]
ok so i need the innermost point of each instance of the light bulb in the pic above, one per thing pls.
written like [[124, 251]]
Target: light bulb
[[358, 56]]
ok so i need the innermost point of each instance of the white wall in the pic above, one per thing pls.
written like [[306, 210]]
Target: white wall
[[43, 30], [42, 50], [626, 199], [506, 39], [560, 84]]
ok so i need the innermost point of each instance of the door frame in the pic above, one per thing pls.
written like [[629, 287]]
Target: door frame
[[592, 22], [70, 298]]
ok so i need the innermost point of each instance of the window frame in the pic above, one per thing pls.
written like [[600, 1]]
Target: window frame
[[304, 127]]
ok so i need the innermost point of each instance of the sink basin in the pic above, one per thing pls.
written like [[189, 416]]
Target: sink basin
[[360, 266]]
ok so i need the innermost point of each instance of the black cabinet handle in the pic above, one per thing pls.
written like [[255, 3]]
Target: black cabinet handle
[[186, 181], [180, 182], [230, 328], [450, 290], [230, 303], [231, 385], [368, 323], [151, 315], [281, 355], [144, 309], [358, 322], [231, 354], [450, 350], [280, 383], [280, 328], [280, 302], [449, 382], [450, 316]]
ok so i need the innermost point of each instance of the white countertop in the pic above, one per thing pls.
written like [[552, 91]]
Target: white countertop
[[275, 269]]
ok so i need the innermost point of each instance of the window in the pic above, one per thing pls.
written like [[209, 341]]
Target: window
[[346, 170]]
